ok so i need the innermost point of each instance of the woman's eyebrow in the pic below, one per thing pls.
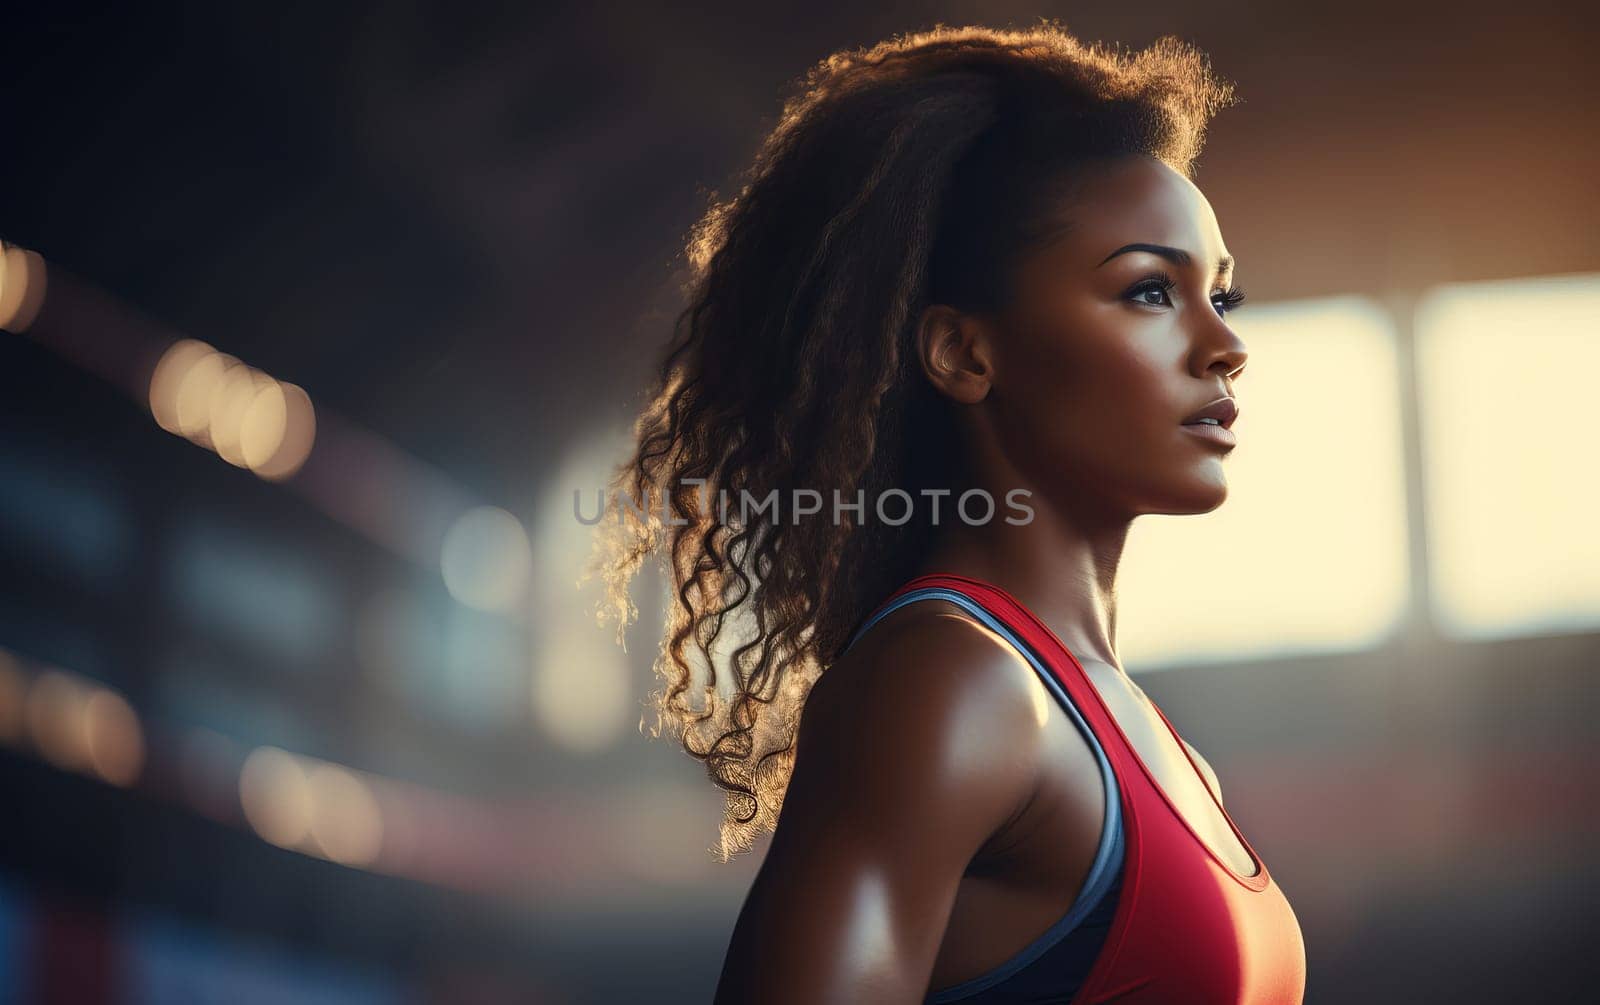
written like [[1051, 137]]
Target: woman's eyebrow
[[1177, 256]]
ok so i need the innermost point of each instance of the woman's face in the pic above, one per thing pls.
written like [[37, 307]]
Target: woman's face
[[1114, 337]]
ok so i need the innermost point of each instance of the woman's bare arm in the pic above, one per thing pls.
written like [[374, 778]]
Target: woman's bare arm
[[913, 751]]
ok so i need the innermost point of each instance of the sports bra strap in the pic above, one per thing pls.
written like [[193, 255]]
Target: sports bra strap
[[1108, 856]]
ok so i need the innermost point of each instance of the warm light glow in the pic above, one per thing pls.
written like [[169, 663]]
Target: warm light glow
[[169, 374], [581, 700], [1511, 485], [115, 741], [583, 690], [231, 399], [263, 425], [276, 796], [1309, 550], [22, 287], [486, 559], [75, 724], [311, 806], [57, 721], [192, 403], [249, 419], [345, 822], [293, 446]]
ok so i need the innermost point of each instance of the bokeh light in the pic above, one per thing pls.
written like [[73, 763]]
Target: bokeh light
[[170, 373], [22, 287], [582, 685], [272, 454], [263, 425], [276, 796], [76, 724], [311, 806], [231, 399], [486, 559], [581, 703], [115, 740], [200, 383], [345, 822], [250, 419], [56, 719]]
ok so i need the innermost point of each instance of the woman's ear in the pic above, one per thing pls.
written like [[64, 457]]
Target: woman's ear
[[955, 351]]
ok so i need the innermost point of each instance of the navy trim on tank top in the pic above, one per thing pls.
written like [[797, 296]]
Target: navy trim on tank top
[[1104, 873]]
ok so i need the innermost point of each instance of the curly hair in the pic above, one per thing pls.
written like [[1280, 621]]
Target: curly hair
[[899, 175]]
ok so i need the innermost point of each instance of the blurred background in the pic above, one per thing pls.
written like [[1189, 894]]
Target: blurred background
[[317, 315]]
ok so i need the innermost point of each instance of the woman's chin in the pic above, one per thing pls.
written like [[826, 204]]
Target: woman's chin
[[1201, 494]]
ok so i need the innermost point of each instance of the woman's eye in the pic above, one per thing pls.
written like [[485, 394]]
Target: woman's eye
[[1154, 296], [1227, 300]]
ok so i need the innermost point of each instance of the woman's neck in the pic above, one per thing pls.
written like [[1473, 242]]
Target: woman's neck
[[1066, 577]]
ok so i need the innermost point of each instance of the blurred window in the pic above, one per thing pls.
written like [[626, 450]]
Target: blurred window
[[1507, 413]]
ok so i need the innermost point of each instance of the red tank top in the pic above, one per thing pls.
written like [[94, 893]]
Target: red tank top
[[1188, 929]]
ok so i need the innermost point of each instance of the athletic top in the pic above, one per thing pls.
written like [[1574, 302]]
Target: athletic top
[[1053, 966], [1161, 917]]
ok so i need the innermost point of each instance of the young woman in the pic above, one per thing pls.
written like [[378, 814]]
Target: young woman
[[965, 320]]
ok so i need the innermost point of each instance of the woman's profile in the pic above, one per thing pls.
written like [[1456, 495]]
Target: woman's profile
[[964, 320]]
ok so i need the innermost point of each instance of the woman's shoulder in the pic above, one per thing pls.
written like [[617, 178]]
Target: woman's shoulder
[[936, 653], [928, 710], [913, 752]]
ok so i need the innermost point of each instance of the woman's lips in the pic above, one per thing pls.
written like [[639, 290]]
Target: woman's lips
[[1224, 409], [1213, 434]]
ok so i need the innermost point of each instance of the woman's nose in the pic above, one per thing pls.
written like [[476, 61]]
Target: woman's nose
[[1218, 349]]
